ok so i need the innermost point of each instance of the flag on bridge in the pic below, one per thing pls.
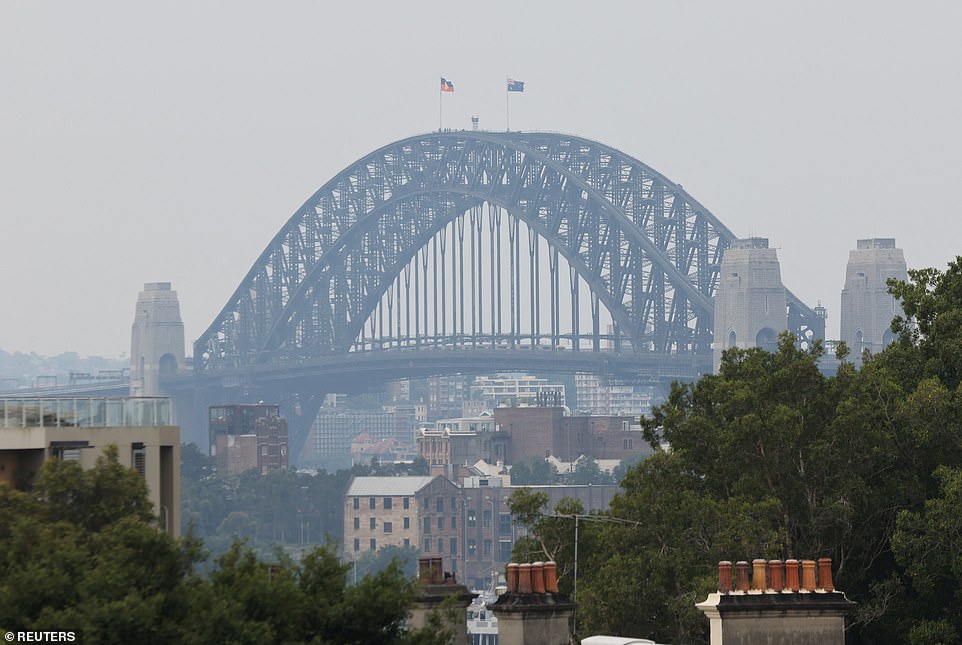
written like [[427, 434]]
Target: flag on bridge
[[446, 85], [515, 86]]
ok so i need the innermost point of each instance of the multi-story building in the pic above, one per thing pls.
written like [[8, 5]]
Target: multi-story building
[[515, 433], [605, 395], [490, 530], [460, 442], [35, 430], [247, 436], [546, 431], [420, 512], [469, 526], [445, 395], [517, 388], [335, 428]]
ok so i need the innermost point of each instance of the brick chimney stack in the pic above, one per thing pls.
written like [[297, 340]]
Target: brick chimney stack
[[780, 607], [434, 587], [532, 611]]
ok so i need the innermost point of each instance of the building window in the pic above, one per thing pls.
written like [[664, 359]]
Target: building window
[[387, 503], [407, 503], [472, 518], [440, 545], [357, 546], [357, 503], [138, 459], [427, 545], [357, 523], [388, 527], [626, 443], [373, 523], [454, 522], [427, 525], [504, 551], [373, 544], [454, 504], [504, 524], [440, 505], [486, 519], [407, 522], [373, 503], [487, 548], [454, 546], [407, 541], [440, 523], [472, 548]]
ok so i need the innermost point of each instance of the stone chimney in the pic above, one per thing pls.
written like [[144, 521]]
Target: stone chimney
[[532, 611], [770, 602], [434, 588]]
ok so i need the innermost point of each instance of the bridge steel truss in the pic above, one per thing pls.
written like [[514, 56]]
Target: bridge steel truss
[[648, 252]]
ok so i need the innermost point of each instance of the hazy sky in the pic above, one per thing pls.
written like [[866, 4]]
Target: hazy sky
[[170, 141]]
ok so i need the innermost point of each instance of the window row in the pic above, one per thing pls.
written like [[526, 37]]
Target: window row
[[387, 503], [387, 526]]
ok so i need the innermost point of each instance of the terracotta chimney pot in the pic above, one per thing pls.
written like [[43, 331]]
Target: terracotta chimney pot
[[758, 575], [741, 575], [537, 577], [524, 577], [724, 576], [808, 575], [791, 575], [551, 577], [825, 574], [775, 574], [513, 576]]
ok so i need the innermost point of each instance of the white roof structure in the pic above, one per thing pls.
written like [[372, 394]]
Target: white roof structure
[[388, 486]]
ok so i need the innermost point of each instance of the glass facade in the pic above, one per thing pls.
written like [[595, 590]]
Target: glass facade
[[99, 412]]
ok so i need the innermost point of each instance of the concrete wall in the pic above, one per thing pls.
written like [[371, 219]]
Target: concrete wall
[[161, 444]]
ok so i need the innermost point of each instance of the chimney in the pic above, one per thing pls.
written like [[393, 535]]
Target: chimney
[[532, 611], [434, 587], [778, 608]]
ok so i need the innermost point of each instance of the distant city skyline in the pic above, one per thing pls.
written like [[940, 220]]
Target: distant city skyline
[[151, 143]]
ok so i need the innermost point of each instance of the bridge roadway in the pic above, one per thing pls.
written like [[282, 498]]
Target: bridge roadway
[[362, 370]]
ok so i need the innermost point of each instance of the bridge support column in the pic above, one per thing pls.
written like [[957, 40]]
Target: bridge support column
[[156, 339], [750, 306]]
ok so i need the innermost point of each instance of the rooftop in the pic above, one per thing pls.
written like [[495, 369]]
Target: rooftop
[[388, 486]]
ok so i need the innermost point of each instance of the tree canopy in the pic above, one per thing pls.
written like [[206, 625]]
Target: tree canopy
[[81, 550], [772, 458]]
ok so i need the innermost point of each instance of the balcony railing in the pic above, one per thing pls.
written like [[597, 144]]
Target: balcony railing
[[96, 412]]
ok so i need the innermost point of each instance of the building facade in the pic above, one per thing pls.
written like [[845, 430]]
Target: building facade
[[468, 524], [417, 512], [247, 436], [78, 429]]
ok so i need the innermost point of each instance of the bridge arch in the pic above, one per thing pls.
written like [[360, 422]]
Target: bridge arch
[[646, 249]]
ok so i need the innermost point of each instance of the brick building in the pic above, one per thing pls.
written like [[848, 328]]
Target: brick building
[[243, 437], [420, 512], [470, 527]]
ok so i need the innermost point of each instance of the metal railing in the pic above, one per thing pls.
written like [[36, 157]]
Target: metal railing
[[98, 412]]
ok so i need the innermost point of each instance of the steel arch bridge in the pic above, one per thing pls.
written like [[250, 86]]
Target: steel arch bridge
[[472, 235]]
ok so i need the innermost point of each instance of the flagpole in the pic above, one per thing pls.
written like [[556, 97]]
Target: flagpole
[[507, 108], [440, 106]]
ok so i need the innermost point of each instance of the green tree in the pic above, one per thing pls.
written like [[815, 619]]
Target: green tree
[[533, 471], [82, 550], [587, 471]]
